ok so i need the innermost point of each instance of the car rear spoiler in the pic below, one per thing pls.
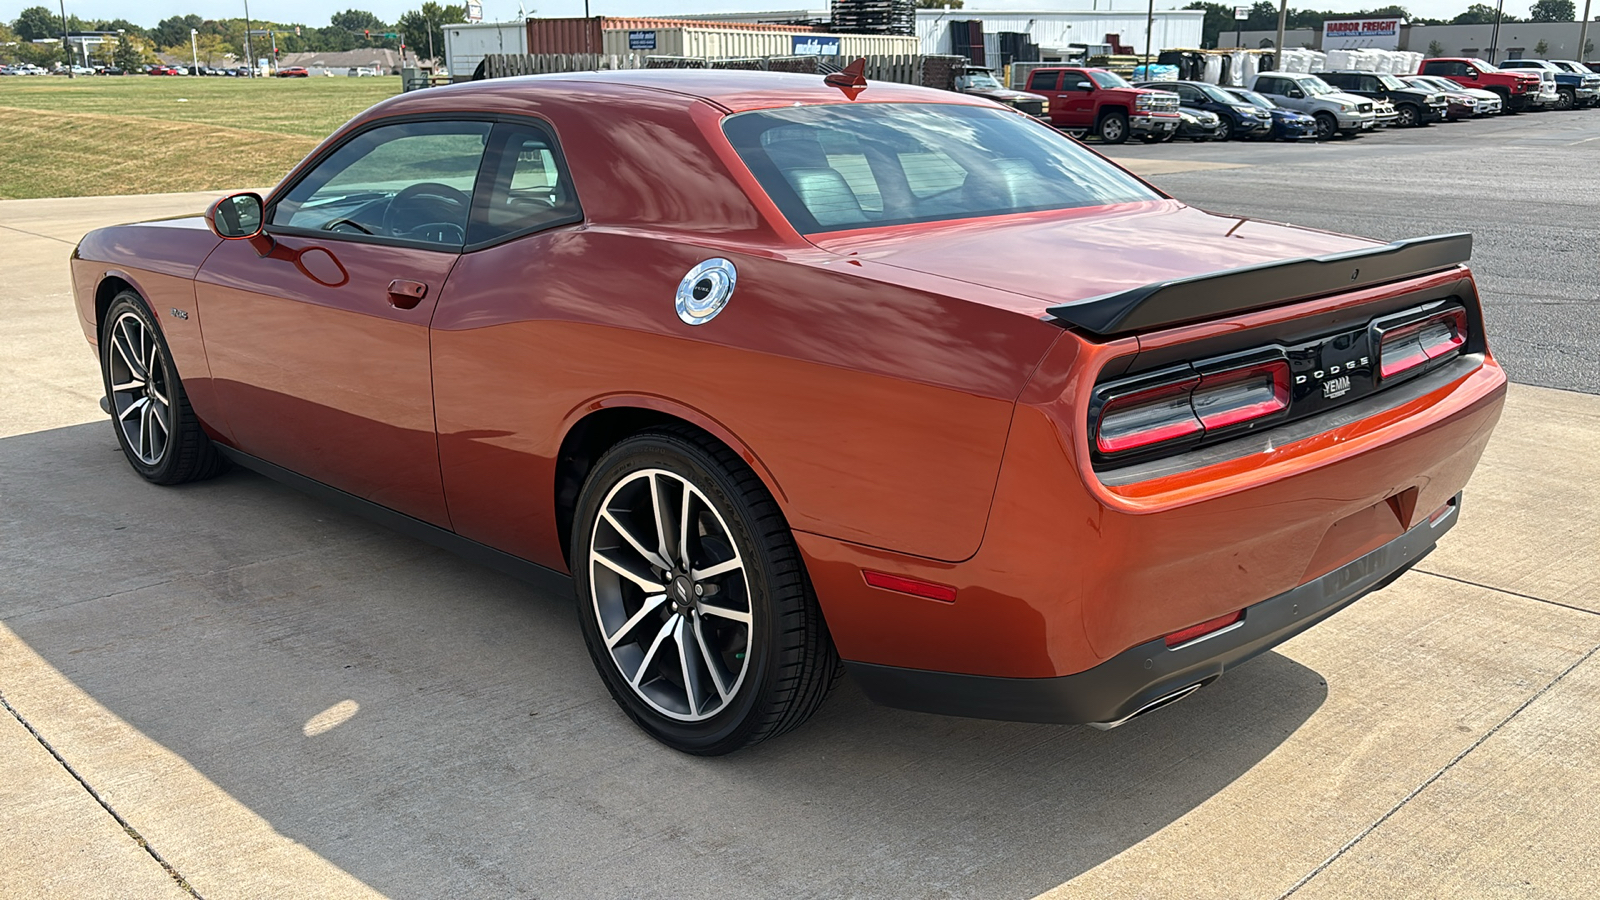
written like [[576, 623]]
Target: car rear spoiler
[[1181, 300]]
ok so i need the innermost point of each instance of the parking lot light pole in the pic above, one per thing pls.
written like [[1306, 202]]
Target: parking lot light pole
[[1494, 36], [1149, 36], [249, 58], [194, 49], [1283, 18]]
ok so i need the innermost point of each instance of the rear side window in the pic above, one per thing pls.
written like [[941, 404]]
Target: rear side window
[[524, 187], [1043, 81], [838, 167]]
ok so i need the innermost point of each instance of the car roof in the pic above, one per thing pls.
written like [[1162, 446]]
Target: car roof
[[733, 90]]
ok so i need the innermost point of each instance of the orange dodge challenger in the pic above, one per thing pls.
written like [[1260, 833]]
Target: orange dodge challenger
[[788, 375]]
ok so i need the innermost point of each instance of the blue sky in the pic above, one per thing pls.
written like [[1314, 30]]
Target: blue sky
[[316, 12]]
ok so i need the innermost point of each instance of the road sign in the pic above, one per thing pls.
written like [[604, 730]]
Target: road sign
[[1241, 12]]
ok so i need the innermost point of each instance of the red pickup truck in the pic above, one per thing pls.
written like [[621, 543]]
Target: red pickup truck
[[1517, 90], [1102, 103]]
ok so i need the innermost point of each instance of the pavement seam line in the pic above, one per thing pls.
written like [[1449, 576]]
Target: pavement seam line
[[129, 829], [1488, 587], [1350, 844], [47, 237]]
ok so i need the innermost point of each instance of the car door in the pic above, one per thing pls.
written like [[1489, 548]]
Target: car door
[[1077, 102], [320, 349], [1046, 83]]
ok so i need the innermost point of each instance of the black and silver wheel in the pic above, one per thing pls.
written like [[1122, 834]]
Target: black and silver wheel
[[1407, 116], [692, 596], [1224, 128], [1113, 128], [157, 430], [1327, 126], [1566, 99]]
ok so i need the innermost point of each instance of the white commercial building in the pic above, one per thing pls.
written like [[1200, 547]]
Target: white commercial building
[[1057, 25]]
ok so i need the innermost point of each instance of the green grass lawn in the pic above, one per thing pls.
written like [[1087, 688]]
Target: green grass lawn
[[139, 134]]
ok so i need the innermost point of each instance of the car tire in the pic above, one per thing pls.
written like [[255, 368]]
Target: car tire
[[1327, 126], [1566, 100], [158, 431], [1113, 128], [701, 681], [1407, 116], [1224, 129]]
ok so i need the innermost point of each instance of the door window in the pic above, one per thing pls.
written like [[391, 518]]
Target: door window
[[411, 183], [1043, 80], [525, 187]]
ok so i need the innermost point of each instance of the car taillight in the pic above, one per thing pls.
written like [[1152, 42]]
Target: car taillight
[[1189, 406], [1204, 629], [1405, 347]]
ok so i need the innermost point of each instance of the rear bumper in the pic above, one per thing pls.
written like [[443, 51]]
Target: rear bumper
[[1137, 678]]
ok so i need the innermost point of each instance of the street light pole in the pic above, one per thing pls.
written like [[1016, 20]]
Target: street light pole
[[1149, 35], [194, 50], [1283, 17]]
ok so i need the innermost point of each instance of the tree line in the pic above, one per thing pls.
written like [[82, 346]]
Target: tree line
[[1264, 16], [222, 41]]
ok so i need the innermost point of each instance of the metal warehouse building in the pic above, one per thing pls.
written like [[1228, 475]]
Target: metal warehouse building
[[1058, 28]]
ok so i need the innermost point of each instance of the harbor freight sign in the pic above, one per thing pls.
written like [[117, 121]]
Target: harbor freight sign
[[1361, 34], [811, 45]]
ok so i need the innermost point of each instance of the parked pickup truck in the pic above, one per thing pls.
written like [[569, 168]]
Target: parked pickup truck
[[1104, 104], [1412, 105], [980, 82], [1335, 111], [1518, 90], [1573, 91]]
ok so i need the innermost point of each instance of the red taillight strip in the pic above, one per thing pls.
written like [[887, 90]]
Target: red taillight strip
[[1403, 349], [1208, 627], [1178, 392], [1279, 401], [916, 587]]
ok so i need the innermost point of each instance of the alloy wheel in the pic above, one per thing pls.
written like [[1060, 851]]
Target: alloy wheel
[[140, 397], [670, 595]]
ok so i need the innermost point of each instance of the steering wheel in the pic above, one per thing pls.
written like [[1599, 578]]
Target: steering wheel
[[427, 206]]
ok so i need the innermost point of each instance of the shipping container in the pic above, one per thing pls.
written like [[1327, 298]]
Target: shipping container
[[465, 44], [578, 35], [716, 41]]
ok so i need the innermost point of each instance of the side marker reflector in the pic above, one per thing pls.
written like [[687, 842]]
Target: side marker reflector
[[1194, 632], [927, 590]]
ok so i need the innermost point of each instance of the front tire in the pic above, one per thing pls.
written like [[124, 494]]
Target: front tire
[[1327, 126], [1113, 128], [1224, 128], [693, 599], [150, 413], [1566, 100], [1408, 116]]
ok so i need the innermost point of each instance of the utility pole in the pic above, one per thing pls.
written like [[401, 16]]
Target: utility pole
[[1283, 18], [66, 43], [274, 60], [249, 57], [194, 50], [1583, 35], [1494, 36], [1149, 36]]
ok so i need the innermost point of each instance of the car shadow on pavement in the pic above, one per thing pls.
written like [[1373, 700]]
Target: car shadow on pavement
[[434, 728]]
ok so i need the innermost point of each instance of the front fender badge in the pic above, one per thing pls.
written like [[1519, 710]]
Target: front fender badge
[[705, 291]]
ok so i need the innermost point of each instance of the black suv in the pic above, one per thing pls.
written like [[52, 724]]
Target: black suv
[[1412, 105], [1237, 119]]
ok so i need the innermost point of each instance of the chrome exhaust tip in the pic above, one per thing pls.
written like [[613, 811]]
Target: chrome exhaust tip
[[1163, 700]]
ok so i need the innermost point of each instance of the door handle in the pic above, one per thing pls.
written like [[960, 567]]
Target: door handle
[[404, 294]]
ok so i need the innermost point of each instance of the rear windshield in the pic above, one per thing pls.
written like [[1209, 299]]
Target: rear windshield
[[839, 167]]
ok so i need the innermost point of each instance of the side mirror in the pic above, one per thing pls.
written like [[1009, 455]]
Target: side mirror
[[236, 217], [1473, 74], [1083, 86], [1295, 94]]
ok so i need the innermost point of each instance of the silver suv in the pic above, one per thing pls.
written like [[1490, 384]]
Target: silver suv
[[1335, 111]]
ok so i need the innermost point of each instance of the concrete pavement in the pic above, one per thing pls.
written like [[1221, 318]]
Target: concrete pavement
[[282, 701]]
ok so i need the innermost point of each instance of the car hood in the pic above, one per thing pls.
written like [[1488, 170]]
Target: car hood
[[1043, 259]]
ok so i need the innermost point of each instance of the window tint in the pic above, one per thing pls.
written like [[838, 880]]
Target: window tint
[[838, 167], [1043, 80], [410, 182], [524, 187]]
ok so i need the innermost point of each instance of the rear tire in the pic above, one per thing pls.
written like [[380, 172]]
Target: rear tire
[[150, 413], [724, 645]]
